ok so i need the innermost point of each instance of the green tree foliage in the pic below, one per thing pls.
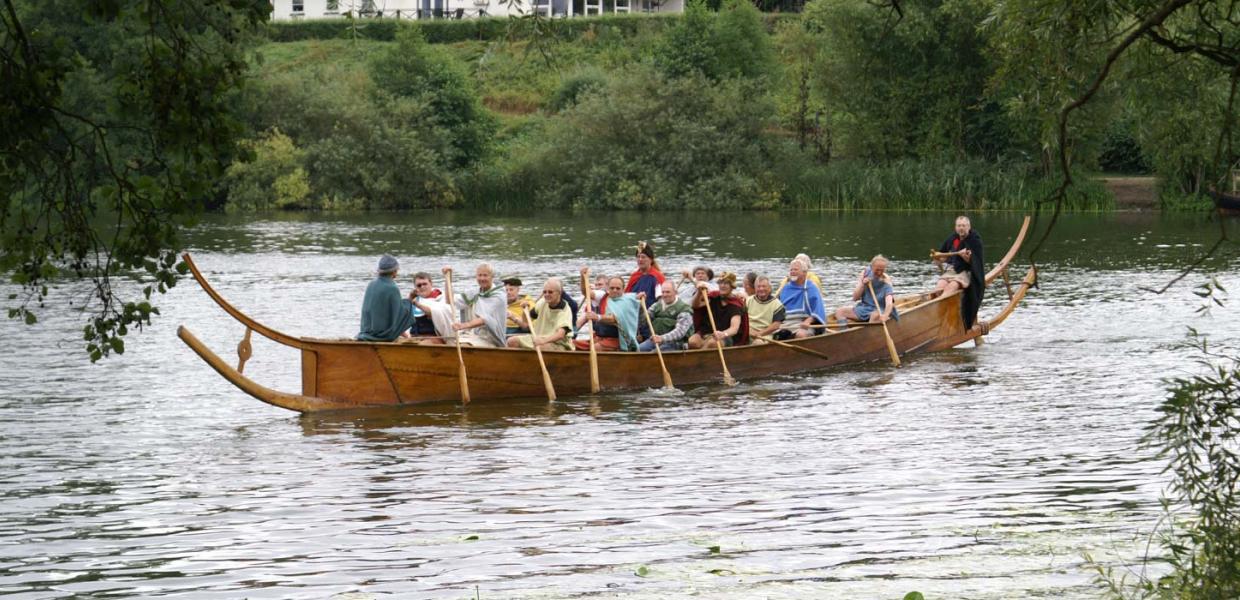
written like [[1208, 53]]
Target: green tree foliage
[[648, 141], [732, 44], [413, 69], [114, 122], [687, 49], [273, 178], [908, 84], [743, 47]]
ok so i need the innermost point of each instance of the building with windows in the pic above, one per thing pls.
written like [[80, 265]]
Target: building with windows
[[285, 10]]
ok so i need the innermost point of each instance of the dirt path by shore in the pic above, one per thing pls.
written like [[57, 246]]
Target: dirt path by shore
[[1139, 193]]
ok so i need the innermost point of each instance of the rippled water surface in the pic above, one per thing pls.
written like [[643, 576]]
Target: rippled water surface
[[973, 473]]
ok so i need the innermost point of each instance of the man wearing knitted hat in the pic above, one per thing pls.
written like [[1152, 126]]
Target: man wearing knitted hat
[[385, 314]]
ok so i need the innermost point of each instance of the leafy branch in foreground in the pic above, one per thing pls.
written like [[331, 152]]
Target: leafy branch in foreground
[[114, 122]]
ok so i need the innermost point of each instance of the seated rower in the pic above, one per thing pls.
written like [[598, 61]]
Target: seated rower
[[809, 273], [432, 317], [673, 321], [731, 325], [766, 312], [866, 307], [805, 314], [484, 314], [385, 315], [688, 284], [552, 321], [749, 287], [517, 304], [590, 300], [615, 323]]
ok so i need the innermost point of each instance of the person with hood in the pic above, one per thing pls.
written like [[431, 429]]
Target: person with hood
[[965, 269], [385, 314]]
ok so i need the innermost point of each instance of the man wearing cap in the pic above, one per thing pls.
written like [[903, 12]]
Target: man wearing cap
[[385, 314], [517, 304]]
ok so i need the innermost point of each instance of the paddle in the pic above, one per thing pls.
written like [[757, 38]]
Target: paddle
[[546, 376], [587, 301], [797, 348], [891, 345], [459, 356], [727, 377], [667, 377]]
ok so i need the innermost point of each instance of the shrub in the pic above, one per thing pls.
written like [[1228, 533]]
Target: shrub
[[412, 69], [273, 178], [573, 86], [647, 141]]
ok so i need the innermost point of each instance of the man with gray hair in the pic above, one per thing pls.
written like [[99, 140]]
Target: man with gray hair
[[484, 314], [385, 315]]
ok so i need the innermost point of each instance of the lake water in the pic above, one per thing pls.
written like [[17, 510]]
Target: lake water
[[972, 473]]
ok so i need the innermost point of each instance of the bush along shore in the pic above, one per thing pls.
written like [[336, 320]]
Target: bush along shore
[[718, 107]]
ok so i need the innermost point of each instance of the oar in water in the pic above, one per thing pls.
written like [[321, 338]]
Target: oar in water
[[546, 376], [460, 375], [588, 300], [727, 377], [891, 345], [667, 377]]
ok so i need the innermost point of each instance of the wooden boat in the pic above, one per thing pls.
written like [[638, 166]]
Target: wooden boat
[[346, 374]]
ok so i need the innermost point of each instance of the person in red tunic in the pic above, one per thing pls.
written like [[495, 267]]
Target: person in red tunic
[[731, 327], [647, 278]]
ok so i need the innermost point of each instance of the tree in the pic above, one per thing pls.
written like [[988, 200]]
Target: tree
[[114, 122]]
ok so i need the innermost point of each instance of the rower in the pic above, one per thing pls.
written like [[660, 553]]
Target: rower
[[552, 321], [673, 321], [866, 305], [385, 315], [802, 302], [731, 325], [483, 315], [517, 305], [766, 312]]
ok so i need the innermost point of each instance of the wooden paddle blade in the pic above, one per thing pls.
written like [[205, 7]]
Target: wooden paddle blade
[[891, 348], [463, 379], [667, 380]]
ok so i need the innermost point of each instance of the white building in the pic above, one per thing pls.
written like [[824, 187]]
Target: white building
[[285, 10]]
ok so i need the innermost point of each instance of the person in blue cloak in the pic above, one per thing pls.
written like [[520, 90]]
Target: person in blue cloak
[[804, 313], [386, 315]]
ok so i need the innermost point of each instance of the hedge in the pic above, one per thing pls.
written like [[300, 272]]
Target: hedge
[[446, 31]]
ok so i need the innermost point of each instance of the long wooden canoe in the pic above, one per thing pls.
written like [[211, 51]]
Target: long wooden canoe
[[346, 374]]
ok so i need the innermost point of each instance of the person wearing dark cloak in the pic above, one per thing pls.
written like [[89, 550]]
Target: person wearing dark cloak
[[385, 314], [965, 270]]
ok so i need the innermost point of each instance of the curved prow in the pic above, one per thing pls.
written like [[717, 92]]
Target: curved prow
[[1011, 253], [263, 330], [295, 402], [1023, 287]]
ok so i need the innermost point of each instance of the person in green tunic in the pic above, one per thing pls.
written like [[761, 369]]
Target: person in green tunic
[[385, 314]]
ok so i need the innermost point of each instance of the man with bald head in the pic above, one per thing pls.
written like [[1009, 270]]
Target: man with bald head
[[552, 321]]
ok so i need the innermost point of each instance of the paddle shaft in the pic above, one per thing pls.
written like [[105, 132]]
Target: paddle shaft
[[460, 357], [588, 300], [541, 363], [667, 377], [891, 345], [710, 314], [795, 347]]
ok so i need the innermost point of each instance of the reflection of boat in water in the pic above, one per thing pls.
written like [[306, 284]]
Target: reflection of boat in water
[[1227, 203], [347, 374]]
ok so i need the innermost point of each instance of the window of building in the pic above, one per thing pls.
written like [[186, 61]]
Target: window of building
[[299, 6]]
